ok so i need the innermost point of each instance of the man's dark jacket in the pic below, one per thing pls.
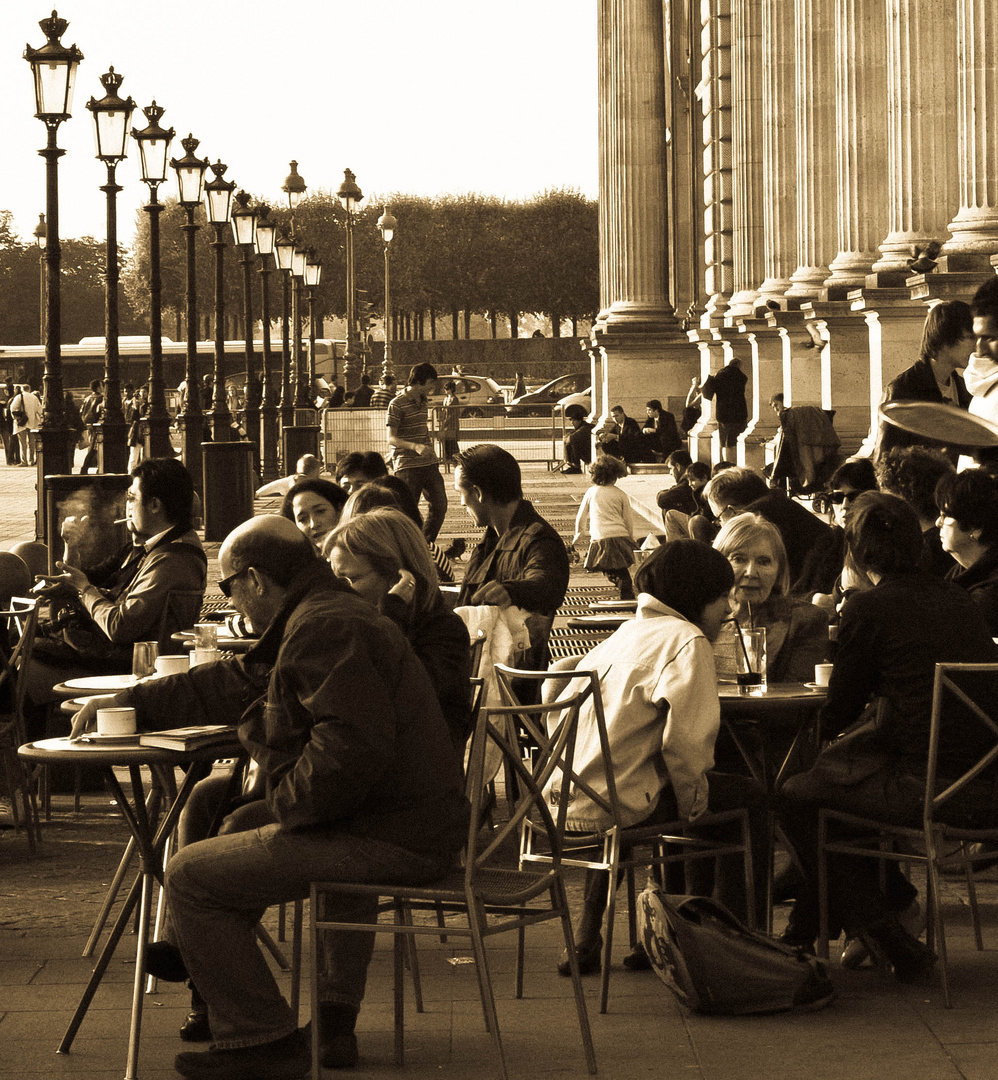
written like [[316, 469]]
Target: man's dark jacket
[[916, 383]]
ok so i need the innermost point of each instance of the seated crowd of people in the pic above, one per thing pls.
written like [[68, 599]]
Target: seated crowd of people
[[354, 705]]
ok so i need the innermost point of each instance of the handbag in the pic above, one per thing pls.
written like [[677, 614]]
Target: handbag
[[716, 965]]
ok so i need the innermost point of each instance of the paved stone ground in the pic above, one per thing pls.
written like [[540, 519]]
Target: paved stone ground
[[875, 1030]]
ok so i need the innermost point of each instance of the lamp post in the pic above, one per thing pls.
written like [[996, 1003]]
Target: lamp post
[[313, 275], [387, 224], [40, 241], [218, 204], [284, 249], [244, 233], [266, 235], [53, 67], [190, 171], [298, 260], [349, 195], [154, 148], [112, 121]]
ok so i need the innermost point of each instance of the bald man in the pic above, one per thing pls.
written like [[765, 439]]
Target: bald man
[[360, 782], [308, 466]]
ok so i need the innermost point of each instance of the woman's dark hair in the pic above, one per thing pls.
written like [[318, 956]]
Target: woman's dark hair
[[970, 498], [390, 491], [332, 493], [686, 575], [883, 534], [912, 473], [945, 324], [857, 474], [606, 469]]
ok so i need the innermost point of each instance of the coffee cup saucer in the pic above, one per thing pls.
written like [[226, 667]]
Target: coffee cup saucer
[[109, 740]]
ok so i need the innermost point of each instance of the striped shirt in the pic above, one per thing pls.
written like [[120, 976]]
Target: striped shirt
[[407, 420]]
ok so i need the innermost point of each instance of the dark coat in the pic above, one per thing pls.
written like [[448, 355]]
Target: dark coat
[[681, 497], [664, 436], [800, 529], [916, 383], [727, 388], [981, 581], [340, 715]]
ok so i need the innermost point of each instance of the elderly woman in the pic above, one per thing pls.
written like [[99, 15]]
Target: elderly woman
[[880, 700], [968, 530], [383, 556], [796, 631], [314, 505]]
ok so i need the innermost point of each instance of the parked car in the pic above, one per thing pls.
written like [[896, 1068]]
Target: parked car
[[584, 398], [539, 402], [474, 392]]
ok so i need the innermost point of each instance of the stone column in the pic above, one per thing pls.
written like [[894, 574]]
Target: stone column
[[609, 224], [975, 227], [635, 181], [816, 205], [715, 98], [860, 137], [921, 128], [746, 174], [779, 155]]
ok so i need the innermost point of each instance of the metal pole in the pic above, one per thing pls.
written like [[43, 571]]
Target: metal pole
[[311, 347], [53, 397], [386, 366], [268, 409], [221, 417], [351, 330], [192, 418], [301, 401], [113, 455], [156, 427], [287, 392], [252, 411]]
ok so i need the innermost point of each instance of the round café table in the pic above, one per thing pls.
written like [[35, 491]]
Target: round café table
[[149, 837], [226, 642]]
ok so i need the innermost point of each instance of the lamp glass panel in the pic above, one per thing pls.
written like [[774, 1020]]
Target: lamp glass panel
[[313, 274], [265, 237], [283, 253], [154, 153], [218, 204], [111, 133], [243, 228], [54, 85], [298, 261], [190, 182]]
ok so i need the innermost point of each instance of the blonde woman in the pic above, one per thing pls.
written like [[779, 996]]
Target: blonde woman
[[796, 630], [384, 558]]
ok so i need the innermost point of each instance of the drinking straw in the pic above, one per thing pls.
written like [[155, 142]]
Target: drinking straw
[[741, 641]]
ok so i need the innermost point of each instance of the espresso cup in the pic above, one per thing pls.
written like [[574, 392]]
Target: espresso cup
[[172, 665], [822, 673], [116, 720]]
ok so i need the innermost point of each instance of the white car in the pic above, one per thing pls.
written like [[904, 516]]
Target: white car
[[585, 399], [474, 392]]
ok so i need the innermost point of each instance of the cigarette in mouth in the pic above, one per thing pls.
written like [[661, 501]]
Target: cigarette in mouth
[[121, 521]]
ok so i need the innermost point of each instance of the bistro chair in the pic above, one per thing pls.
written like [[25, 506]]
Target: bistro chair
[[18, 624], [602, 850], [487, 895], [964, 695]]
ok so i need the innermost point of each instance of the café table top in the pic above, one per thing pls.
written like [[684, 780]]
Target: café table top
[[226, 641], [47, 751], [774, 694], [94, 684], [608, 620]]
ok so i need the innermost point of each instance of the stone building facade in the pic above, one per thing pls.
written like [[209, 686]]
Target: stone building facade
[[769, 171]]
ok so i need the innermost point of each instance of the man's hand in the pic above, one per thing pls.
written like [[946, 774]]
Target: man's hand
[[86, 719], [492, 593], [71, 575], [425, 450]]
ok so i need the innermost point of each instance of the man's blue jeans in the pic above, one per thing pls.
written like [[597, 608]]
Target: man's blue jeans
[[218, 889], [426, 480]]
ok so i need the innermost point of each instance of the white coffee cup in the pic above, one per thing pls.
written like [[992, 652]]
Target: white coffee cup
[[116, 720], [172, 665], [822, 673]]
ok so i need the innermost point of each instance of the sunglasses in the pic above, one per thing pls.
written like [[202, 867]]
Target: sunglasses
[[225, 584], [839, 497]]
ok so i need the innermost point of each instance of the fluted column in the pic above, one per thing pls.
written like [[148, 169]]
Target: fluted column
[[779, 149], [715, 99], [636, 170], [747, 220], [975, 227], [609, 125], [816, 207], [860, 138], [922, 136]]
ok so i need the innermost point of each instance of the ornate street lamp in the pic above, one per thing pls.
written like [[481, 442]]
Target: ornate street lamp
[[313, 275], [244, 219], [266, 237], [387, 224], [190, 171], [349, 195], [53, 67], [39, 235], [154, 148], [112, 122], [218, 204], [284, 248]]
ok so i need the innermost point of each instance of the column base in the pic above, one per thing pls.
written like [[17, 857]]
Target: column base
[[639, 367]]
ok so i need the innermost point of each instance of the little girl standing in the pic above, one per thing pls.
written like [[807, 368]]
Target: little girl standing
[[611, 524]]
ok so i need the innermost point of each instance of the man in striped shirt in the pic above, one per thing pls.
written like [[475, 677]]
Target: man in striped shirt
[[383, 394], [415, 460]]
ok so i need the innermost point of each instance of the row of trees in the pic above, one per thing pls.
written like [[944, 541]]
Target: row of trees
[[452, 257]]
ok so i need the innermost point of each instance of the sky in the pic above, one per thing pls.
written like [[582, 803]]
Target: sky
[[423, 98]]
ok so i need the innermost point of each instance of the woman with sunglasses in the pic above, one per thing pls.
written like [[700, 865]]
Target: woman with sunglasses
[[822, 568]]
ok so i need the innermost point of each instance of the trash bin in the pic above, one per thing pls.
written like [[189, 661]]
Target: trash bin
[[228, 487], [298, 440]]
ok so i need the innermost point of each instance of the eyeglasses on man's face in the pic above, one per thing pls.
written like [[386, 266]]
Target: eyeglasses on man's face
[[225, 584]]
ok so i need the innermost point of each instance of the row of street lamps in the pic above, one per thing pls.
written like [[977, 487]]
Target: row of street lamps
[[54, 68]]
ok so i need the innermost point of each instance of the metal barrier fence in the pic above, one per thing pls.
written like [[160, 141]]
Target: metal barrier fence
[[527, 438]]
